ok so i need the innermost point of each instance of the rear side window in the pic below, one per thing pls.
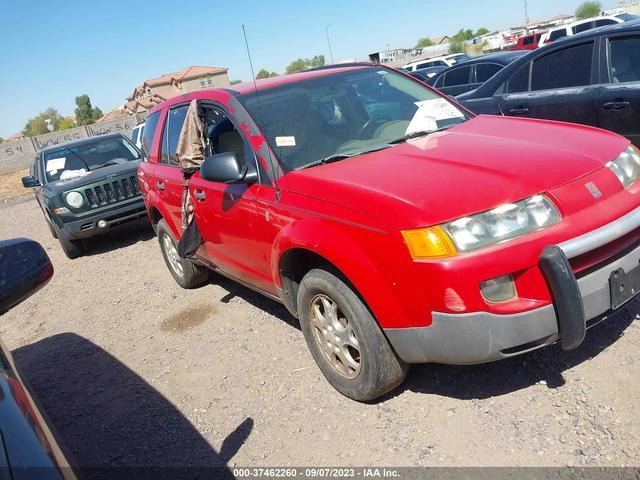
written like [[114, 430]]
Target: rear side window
[[556, 34], [569, 67], [172, 129], [528, 41], [457, 76], [583, 27], [147, 136], [134, 135], [603, 22], [519, 81], [624, 55], [484, 71]]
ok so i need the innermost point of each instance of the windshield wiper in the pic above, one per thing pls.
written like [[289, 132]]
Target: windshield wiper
[[336, 157], [81, 159], [108, 163], [417, 134]]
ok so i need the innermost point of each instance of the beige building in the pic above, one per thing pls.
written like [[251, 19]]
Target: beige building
[[189, 79]]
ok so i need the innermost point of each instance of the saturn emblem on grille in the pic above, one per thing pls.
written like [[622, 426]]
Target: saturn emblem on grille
[[593, 189]]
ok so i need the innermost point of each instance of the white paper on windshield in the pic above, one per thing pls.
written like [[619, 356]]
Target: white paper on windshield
[[55, 164], [286, 141], [430, 112], [69, 174]]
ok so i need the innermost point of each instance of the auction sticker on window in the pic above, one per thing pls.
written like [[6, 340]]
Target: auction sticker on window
[[286, 141], [430, 112], [55, 164]]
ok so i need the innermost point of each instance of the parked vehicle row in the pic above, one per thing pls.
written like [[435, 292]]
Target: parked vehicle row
[[591, 78], [444, 61], [576, 28]]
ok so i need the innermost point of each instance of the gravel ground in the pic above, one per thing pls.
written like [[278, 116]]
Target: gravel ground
[[133, 370]]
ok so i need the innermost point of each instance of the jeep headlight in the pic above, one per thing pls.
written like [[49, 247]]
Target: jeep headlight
[[483, 229], [626, 166], [74, 199]]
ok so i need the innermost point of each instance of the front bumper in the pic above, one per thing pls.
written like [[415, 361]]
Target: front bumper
[[481, 337], [115, 215]]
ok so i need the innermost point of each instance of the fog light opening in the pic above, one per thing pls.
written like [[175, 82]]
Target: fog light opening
[[102, 224], [499, 290]]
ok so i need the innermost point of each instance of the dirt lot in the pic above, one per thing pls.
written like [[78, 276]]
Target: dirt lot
[[132, 370]]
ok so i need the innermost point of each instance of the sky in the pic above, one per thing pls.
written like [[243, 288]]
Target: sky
[[54, 50]]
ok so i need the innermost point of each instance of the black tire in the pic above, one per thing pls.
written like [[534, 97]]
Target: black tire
[[379, 368], [54, 234], [192, 275], [71, 248]]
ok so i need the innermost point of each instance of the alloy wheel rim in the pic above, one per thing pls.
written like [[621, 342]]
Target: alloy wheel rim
[[172, 255], [335, 336]]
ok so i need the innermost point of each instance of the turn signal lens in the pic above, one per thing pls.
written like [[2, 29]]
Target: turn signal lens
[[431, 242]]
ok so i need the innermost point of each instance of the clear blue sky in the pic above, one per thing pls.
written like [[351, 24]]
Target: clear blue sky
[[54, 50]]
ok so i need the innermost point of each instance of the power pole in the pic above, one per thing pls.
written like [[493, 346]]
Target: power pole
[[329, 42], [526, 13]]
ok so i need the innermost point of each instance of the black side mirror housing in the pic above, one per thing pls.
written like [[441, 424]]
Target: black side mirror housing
[[24, 269], [30, 181], [223, 167]]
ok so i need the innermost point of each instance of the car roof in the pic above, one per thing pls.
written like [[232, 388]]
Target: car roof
[[84, 141], [504, 58], [493, 83]]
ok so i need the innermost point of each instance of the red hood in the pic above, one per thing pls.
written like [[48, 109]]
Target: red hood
[[470, 168]]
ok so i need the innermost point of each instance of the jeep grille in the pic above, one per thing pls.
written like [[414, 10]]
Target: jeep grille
[[112, 191]]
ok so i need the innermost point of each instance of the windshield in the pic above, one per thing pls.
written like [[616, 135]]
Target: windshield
[[348, 113], [77, 160]]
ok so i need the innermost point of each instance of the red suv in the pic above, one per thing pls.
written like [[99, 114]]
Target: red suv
[[396, 226]]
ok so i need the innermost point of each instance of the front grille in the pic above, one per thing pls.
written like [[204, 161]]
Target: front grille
[[112, 191]]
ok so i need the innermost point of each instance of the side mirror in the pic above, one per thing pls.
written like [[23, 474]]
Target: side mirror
[[24, 269], [223, 167], [30, 181]]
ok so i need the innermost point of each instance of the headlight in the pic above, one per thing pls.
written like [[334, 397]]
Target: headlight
[[74, 199], [476, 231], [627, 166]]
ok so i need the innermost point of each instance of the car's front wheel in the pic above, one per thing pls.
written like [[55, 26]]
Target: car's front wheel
[[186, 273], [345, 340], [71, 248]]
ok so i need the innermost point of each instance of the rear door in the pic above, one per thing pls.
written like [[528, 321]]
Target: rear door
[[169, 182], [619, 99], [558, 85]]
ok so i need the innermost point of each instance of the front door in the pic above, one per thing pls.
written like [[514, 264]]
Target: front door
[[619, 101], [561, 87], [226, 213]]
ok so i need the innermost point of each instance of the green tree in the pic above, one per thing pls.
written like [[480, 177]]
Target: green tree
[[463, 35], [481, 31], [235, 82], [456, 46], [65, 124], [302, 64], [1, 140], [85, 113], [424, 42], [588, 9], [264, 73], [38, 125]]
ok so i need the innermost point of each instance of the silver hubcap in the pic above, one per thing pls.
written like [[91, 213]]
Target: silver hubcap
[[172, 255], [335, 336]]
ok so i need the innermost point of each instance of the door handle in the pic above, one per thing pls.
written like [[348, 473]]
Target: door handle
[[615, 105], [200, 195], [160, 185], [518, 111]]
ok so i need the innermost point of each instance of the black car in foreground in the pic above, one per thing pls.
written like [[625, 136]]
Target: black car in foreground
[[28, 448], [87, 187], [470, 74], [591, 78]]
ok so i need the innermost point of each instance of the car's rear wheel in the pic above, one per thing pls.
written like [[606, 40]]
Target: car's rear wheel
[[345, 340], [71, 248], [186, 273], [54, 234]]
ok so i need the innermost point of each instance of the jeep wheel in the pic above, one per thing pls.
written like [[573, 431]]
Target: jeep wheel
[[186, 273], [54, 234], [71, 248], [345, 340]]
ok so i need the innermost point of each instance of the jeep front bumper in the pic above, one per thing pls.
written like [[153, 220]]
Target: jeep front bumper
[[480, 337]]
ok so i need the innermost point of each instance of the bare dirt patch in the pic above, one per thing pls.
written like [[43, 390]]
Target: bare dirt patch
[[11, 185]]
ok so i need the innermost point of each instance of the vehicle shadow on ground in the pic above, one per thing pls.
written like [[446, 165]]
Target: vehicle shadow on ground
[[111, 422], [121, 237], [256, 299], [516, 373]]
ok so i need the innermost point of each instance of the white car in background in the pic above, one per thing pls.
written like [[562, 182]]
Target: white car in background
[[577, 27], [444, 61], [136, 135]]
